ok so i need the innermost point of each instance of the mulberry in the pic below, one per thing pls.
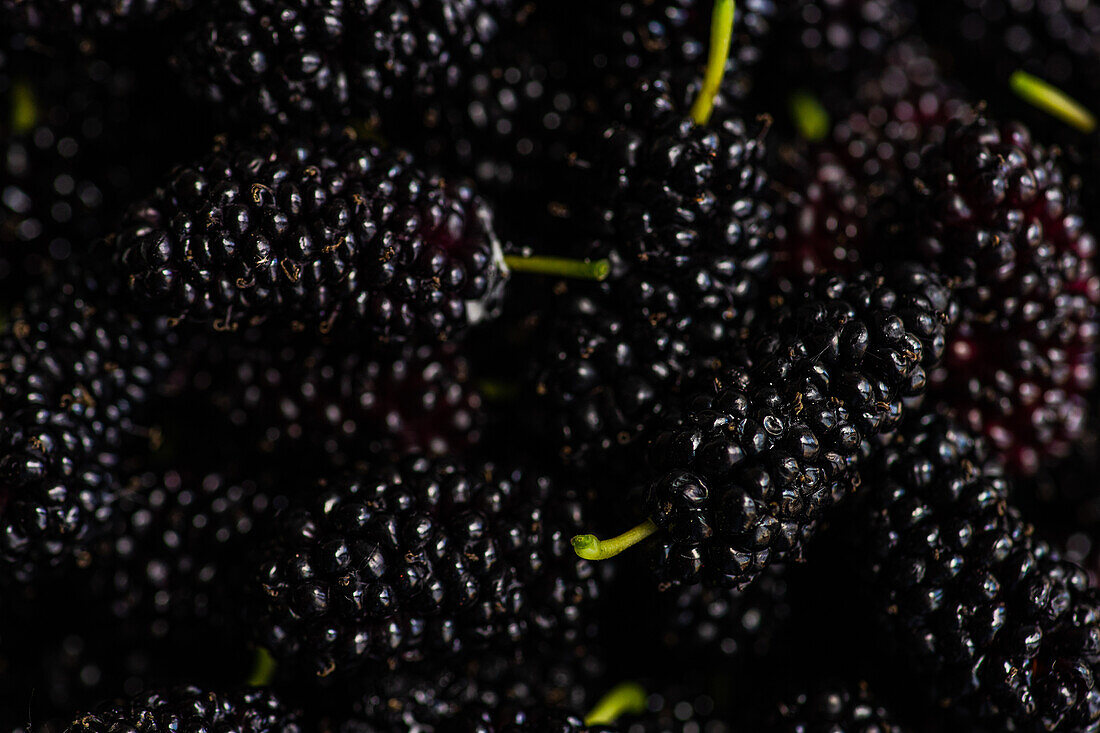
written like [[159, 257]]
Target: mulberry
[[749, 465], [995, 216], [423, 557], [77, 378], [1007, 630], [313, 232]]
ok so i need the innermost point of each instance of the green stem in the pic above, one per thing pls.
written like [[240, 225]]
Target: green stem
[[24, 108], [628, 697], [559, 266], [590, 547], [809, 115], [263, 669], [1052, 100], [721, 38]]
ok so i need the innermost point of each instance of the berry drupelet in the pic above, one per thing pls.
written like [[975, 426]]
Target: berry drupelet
[[191, 710], [281, 60], [312, 232], [750, 464], [835, 709], [422, 558], [76, 380], [1003, 627], [334, 398], [995, 216]]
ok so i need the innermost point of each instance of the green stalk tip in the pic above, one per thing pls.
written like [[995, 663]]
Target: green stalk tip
[[1053, 101], [263, 669], [24, 108], [559, 266], [810, 116], [627, 697], [590, 547], [721, 38]]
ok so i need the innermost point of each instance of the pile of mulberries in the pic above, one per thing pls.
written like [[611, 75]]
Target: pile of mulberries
[[521, 366]]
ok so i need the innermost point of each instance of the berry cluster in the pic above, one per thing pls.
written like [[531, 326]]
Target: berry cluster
[[521, 366]]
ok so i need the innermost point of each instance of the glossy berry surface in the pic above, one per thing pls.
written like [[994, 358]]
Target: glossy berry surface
[[79, 380], [420, 558], [191, 710], [314, 232], [1009, 630], [754, 461]]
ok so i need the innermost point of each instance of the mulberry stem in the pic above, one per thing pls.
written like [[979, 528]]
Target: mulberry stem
[[24, 108], [560, 266], [809, 115], [628, 697], [721, 37], [590, 547], [263, 669], [1052, 100]]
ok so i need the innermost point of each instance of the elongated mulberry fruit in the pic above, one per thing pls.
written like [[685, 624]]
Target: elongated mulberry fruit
[[686, 208], [77, 377], [281, 60], [313, 232], [1002, 627], [191, 710], [995, 216], [760, 456], [683, 213], [422, 558], [749, 465]]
